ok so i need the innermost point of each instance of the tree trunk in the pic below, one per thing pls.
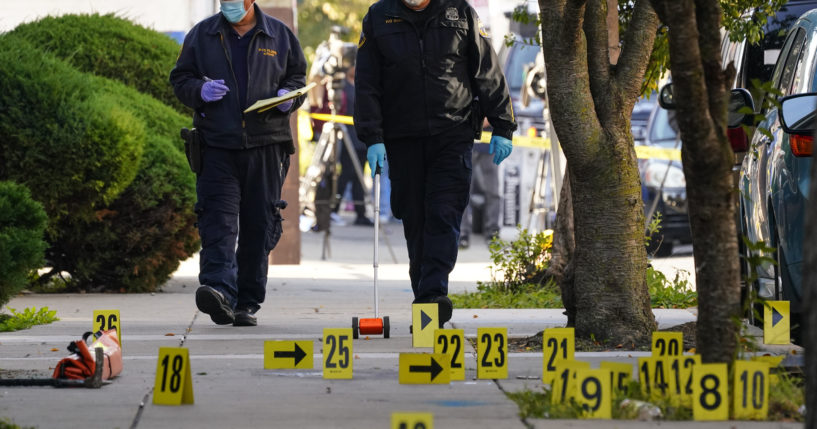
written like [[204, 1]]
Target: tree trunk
[[700, 93], [562, 268], [562, 255], [810, 301], [591, 103], [611, 296]]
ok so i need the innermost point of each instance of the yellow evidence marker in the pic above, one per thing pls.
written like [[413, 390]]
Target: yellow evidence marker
[[174, 384], [337, 353], [593, 393], [667, 343], [424, 368], [558, 345], [621, 374], [751, 390], [776, 322], [288, 355], [710, 400], [680, 371], [563, 388], [654, 375], [492, 353], [404, 420], [108, 319], [424, 321], [451, 342]]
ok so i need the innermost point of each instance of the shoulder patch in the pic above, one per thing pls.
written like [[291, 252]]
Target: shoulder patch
[[362, 40], [451, 14]]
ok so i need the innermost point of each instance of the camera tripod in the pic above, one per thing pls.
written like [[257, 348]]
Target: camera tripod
[[320, 182]]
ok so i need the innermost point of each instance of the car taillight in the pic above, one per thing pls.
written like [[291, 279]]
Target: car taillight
[[801, 145], [737, 139]]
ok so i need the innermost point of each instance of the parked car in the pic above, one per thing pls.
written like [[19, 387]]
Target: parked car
[[640, 117], [663, 185], [774, 176], [515, 61]]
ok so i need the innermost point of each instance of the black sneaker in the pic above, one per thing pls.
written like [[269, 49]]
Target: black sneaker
[[212, 302], [244, 317], [444, 309]]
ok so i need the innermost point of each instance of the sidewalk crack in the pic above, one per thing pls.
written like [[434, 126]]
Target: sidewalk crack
[[146, 398]]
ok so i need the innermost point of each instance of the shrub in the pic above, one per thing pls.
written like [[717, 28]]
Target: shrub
[[22, 226], [111, 47], [73, 146], [137, 242], [128, 240]]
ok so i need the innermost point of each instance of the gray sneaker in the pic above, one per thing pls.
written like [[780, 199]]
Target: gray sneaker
[[211, 301]]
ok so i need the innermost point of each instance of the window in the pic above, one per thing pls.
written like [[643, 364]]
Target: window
[[790, 62]]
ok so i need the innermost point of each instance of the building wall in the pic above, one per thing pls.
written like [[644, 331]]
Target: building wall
[[167, 16]]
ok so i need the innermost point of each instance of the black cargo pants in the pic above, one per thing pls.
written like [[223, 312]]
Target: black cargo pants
[[430, 183], [238, 191]]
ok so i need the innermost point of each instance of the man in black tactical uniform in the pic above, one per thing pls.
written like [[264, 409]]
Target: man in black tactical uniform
[[228, 62], [426, 75]]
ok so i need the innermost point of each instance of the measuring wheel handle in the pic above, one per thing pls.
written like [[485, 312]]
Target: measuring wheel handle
[[386, 327], [354, 328]]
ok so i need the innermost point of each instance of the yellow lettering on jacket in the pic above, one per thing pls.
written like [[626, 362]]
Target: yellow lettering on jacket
[[268, 52]]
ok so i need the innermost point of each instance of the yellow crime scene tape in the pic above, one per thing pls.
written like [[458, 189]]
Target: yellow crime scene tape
[[643, 152]]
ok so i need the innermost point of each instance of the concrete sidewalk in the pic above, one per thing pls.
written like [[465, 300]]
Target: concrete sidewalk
[[230, 385]]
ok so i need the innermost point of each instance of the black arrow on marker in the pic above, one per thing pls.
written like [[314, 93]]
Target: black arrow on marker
[[297, 354], [434, 369], [425, 319], [776, 317]]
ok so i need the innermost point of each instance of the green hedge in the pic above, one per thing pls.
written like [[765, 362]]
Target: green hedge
[[137, 242], [22, 227], [132, 239], [73, 146], [111, 47]]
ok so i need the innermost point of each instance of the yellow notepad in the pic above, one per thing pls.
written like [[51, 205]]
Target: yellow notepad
[[269, 103]]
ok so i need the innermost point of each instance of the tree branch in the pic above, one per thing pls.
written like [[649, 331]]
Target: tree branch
[[635, 54], [709, 23], [598, 57], [565, 52]]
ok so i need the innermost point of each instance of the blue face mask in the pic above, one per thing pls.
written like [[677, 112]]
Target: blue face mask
[[233, 10]]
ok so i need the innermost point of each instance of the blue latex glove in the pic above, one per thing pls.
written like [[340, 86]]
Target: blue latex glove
[[213, 90], [376, 155], [500, 147], [286, 105]]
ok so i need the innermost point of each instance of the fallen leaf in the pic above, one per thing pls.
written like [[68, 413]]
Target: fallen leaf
[[170, 334], [620, 346], [367, 338], [316, 310], [55, 349], [475, 316], [692, 350], [794, 352], [357, 357]]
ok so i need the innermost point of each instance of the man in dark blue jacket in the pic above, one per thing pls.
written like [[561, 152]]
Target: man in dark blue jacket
[[420, 66], [228, 62]]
